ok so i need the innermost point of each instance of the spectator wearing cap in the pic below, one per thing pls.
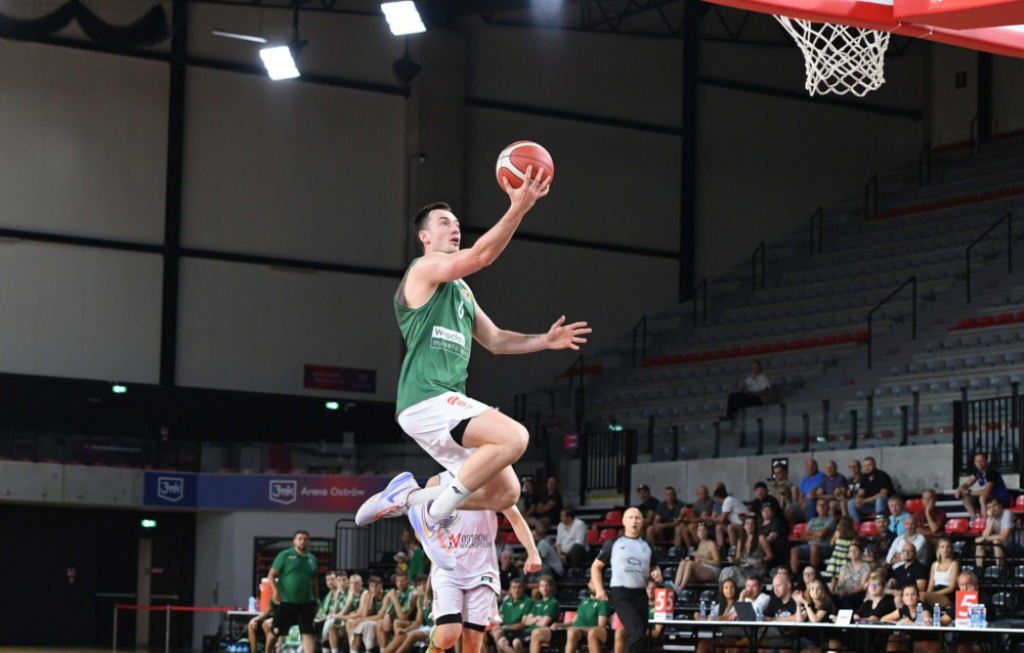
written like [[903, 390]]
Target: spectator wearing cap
[[571, 541], [931, 520], [875, 490], [752, 392], [990, 485], [761, 497], [648, 505], [879, 544]]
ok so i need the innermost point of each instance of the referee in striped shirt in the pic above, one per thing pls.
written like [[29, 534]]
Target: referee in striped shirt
[[633, 564]]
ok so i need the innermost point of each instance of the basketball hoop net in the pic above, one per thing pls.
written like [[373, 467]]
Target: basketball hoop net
[[839, 59]]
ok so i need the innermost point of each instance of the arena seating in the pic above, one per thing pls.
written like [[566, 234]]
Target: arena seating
[[808, 324]]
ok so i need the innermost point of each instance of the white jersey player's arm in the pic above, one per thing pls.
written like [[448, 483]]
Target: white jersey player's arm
[[522, 531]]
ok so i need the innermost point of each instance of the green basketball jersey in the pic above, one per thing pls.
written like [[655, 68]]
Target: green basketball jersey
[[438, 337]]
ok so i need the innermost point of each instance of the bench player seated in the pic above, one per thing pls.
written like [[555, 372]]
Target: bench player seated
[[591, 613], [598, 637]]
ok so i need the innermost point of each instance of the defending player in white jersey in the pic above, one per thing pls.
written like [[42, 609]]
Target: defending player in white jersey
[[466, 597]]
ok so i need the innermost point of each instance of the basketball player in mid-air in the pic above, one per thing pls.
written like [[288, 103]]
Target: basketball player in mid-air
[[439, 317]]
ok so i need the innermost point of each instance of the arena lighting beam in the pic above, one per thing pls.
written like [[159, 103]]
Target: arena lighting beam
[[403, 17]]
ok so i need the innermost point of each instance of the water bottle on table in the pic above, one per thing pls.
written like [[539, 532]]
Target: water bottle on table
[[714, 611], [982, 616], [920, 614], [759, 614], [703, 610], [936, 615]]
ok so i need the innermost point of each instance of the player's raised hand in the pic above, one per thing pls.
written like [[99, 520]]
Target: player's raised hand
[[567, 336], [534, 187]]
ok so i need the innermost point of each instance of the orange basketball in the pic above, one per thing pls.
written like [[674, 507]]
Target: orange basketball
[[514, 159]]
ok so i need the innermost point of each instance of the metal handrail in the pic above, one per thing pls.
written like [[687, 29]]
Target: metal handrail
[[753, 266], [642, 322], [1009, 248], [912, 280], [871, 198], [819, 215], [924, 161], [703, 285]]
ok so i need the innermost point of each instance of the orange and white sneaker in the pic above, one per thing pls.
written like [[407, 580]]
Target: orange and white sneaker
[[390, 502]]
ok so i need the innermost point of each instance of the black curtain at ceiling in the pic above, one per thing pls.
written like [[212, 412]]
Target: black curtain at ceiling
[[147, 31]]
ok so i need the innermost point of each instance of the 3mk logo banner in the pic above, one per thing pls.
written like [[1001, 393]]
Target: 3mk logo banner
[[284, 492], [170, 488]]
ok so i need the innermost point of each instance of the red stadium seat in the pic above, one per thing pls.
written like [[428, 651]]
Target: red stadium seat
[[796, 530], [764, 349], [967, 323], [977, 527], [569, 617], [504, 524], [593, 536], [663, 360], [1004, 318], [616, 622], [956, 527], [912, 506], [650, 360], [927, 431], [828, 341], [795, 344], [1019, 317], [845, 338], [812, 342], [735, 352], [861, 336], [720, 354], [779, 346], [611, 518], [986, 321], [1018, 505], [705, 356], [677, 359], [690, 358], [607, 534], [885, 434], [749, 350], [868, 529]]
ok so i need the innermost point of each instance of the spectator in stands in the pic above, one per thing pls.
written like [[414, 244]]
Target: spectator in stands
[[875, 489], [501, 544], [571, 541], [783, 491], [773, 537], [507, 571], [550, 563], [910, 536], [760, 496], [896, 515], [362, 628], [590, 613], [849, 585], [550, 510], [728, 597], [753, 592], [701, 511], [781, 606], [841, 541], [706, 563], [648, 506], [931, 520], [748, 558], [668, 516], [968, 582], [543, 611], [833, 485], [398, 608], [908, 571], [990, 485], [752, 392], [816, 606], [529, 501], [816, 538], [942, 579], [1000, 537], [843, 495], [513, 610], [880, 544], [417, 558], [807, 574], [906, 614], [811, 489], [877, 602], [729, 523]]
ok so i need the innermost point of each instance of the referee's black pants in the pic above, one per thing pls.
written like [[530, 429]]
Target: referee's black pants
[[631, 606]]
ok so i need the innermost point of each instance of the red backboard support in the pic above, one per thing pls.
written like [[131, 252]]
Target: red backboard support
[[960, 14]]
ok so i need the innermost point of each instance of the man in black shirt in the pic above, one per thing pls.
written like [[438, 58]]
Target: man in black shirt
[[781, 606], [550, 511], [873, 495], [773, 536], [648, 506], [911, 572], [761, 496], [529, 500], [507, 571]]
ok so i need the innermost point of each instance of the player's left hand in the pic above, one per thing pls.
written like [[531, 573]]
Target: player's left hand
[[532, 563], [562, 336]]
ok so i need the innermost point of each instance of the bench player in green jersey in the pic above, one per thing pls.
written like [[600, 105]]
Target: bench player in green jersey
[[439, 318]]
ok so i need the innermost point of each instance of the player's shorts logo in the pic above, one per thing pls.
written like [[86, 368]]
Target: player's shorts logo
[[458, 402]]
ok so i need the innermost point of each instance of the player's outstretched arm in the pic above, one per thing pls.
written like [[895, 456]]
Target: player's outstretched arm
[[500, 341], [522, 531], [437, 268]]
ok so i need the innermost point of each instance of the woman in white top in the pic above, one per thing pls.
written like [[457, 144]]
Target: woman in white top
[[728, 595], [942, 583]]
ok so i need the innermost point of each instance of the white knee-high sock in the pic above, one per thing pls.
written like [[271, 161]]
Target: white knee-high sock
[[453, 494]]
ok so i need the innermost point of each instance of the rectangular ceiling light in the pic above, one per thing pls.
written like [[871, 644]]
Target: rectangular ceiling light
[[403, 17], [279, 62]]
